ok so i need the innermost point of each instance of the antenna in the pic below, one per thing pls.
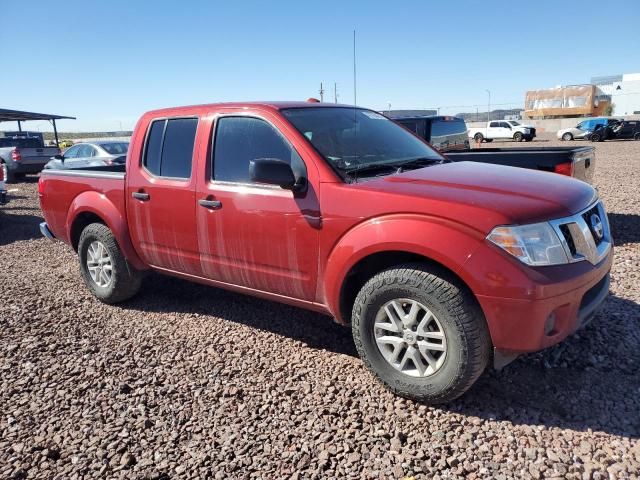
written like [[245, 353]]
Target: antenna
[[321, 92], [335, 92], [355, 98]]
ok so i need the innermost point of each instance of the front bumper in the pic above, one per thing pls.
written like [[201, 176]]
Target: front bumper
[[535, 308], [44, 230]]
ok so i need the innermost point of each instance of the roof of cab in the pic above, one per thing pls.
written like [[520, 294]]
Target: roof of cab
[[190, 109]]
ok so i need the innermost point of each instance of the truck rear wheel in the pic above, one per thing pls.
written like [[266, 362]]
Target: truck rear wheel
[[517, 137], [420, 334], [478, 137], [103, 266], [595, 137], [9, 176]]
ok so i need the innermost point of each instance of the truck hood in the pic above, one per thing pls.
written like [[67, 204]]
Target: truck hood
[[483, 195]]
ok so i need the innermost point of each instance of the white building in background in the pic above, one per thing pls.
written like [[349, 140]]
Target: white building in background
[[626, 95], [624, 90]]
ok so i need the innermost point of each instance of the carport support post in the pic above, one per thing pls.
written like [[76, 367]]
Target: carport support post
[[55, 133], [19, 126]]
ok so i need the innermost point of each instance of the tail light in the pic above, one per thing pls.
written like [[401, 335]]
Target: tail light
[[2, 167], [40, 186], [15, 155], [564, 169]]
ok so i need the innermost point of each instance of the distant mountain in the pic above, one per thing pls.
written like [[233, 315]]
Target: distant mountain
[[495, 115]]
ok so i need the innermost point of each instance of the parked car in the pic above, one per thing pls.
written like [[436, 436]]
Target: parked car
[[622, 129], [503, 130], [583, 129], [440, 267], [82, 155], [449, 136], [3, 188], [23, 154]]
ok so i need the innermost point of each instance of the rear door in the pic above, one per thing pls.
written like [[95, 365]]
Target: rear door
[[254, 235], [161, 196], [494, 130]]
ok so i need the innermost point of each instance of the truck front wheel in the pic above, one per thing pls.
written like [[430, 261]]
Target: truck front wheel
[[517, 137], [478, 137], [103, 266], [420, 334]]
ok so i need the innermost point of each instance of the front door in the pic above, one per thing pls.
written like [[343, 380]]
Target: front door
[[255, 235], [161, 197]]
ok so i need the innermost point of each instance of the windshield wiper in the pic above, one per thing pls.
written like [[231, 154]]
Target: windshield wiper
[[398, 165]]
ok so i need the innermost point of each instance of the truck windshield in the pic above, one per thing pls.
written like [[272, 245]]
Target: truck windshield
[[354, 139], [514, 123]]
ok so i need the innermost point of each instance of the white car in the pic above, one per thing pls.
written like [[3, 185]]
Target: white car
[[583, 129], [503, 130]]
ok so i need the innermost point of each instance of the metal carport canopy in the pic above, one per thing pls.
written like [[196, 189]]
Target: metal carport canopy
[[7, 115]]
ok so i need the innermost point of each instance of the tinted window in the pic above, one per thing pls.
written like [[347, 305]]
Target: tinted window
[[177, 149], [115, 148], [154, 147], [85, 151], [72, 152], [239, 140], [20, 142], [447, 133], [410, 125], [505, 125], [494, 124]]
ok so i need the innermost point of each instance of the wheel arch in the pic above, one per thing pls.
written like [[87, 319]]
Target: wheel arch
[[368, 249], [93, 207]]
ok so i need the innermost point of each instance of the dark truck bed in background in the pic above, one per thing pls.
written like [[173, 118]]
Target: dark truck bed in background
[[449, 136], [578, 162]]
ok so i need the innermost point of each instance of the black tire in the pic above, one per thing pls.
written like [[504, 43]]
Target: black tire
[[528, 139], [567, 137], [468, 344], [125, 280], [517, 137], [636, 136], [478, 137], [595, 137], [488, 140]]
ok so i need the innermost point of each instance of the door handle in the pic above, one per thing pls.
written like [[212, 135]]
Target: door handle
[[212, 204], [140, 196]]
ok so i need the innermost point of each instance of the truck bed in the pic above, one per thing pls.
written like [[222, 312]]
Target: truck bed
[[68, 185], [535, 158]]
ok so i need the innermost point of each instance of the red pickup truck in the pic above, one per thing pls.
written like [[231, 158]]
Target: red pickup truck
[[440, 267]]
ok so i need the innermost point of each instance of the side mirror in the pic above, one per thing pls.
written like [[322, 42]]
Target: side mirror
[[274, 172], [59, 157]]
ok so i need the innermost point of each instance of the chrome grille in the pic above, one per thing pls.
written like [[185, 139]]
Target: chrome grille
[[582, 236]]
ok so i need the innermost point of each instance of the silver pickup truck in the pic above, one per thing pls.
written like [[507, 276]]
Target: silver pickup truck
[[20, 155]]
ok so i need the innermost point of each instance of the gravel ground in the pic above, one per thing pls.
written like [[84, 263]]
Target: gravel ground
[[187, 381]]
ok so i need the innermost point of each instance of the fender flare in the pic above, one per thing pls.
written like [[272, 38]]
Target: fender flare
[[440, 240], [99, 205]]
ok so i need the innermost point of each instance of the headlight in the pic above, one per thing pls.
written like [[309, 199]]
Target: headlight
[[535, 244]]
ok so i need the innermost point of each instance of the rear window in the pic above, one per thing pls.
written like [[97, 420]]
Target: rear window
[[20, 142], [118, 148], [448, 133], [169, 149]]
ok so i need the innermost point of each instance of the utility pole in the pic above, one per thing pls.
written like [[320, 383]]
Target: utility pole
[[335, 92], [321, 93], [489, 106], [389, 109]]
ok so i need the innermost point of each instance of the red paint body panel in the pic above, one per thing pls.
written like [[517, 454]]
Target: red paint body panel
[[298, 248]]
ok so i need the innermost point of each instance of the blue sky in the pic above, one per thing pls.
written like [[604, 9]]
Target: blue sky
[[107, 62]]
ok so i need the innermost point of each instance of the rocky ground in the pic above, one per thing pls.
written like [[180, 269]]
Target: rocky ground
[[187, 381]]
